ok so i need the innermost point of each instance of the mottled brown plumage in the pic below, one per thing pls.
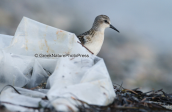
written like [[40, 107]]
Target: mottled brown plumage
[[85, 36]]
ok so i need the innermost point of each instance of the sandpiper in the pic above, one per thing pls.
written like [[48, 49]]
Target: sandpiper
[[93, 39]]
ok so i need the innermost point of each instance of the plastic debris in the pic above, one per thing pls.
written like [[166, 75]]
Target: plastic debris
[[50, 69]]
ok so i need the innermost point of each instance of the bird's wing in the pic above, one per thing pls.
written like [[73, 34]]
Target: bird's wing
[[85, 36], [81, 38]]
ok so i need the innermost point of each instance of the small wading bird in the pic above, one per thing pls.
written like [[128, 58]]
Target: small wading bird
[[93, 39]]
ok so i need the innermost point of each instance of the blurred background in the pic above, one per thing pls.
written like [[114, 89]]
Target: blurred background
[[139, 56]]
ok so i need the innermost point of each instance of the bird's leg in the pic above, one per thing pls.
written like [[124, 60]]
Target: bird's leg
[[85, 47]]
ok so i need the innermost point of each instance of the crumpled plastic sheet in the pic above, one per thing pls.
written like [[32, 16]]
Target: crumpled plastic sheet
[[26, 61]]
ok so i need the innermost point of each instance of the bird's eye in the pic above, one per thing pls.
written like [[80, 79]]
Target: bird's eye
[[106, 21]]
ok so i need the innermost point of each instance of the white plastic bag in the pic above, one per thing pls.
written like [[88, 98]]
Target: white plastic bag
[[69, 68]]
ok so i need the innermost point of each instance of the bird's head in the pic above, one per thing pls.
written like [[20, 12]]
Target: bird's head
[[102, 22]]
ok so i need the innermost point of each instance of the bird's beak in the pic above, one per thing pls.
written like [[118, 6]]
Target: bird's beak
[[113, 28]]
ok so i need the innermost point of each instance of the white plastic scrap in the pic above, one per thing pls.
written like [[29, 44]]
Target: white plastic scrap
[[39, 53]]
